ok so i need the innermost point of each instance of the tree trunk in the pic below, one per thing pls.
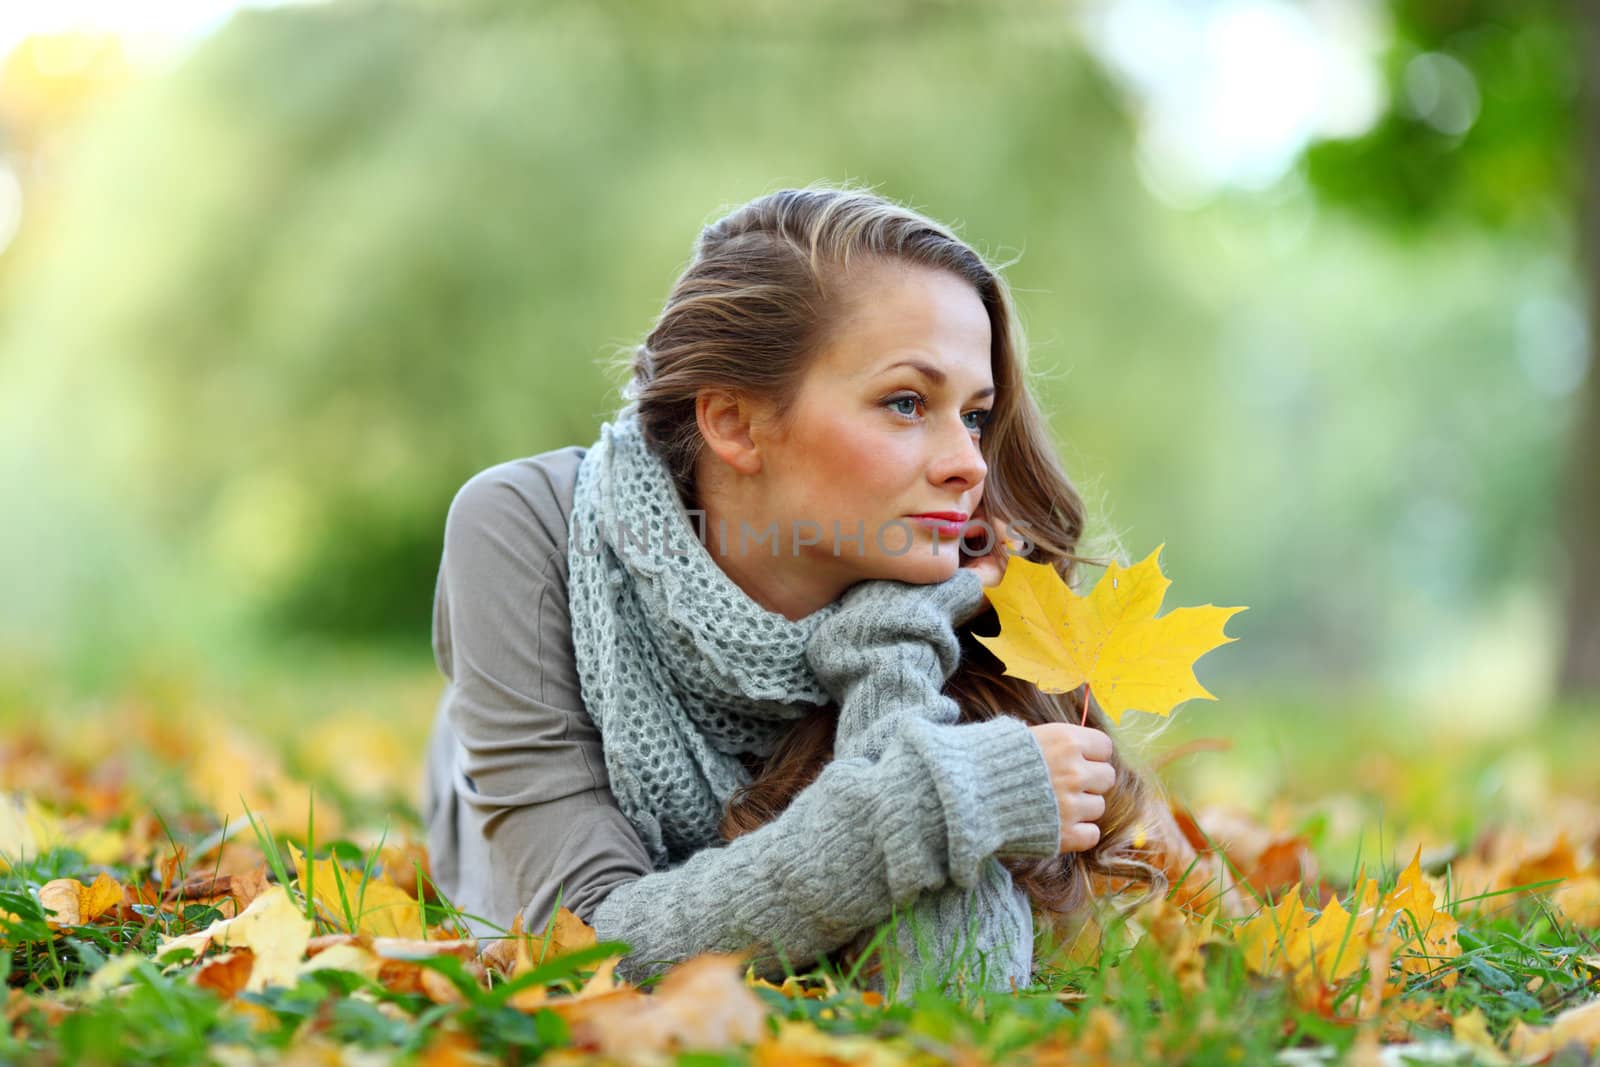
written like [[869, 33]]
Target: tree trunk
[[1579, 677]]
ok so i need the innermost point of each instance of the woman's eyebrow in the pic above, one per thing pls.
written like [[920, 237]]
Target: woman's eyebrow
[[939, 377]]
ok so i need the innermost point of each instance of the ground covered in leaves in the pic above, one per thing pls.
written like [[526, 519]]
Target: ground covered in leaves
[[239, 878]]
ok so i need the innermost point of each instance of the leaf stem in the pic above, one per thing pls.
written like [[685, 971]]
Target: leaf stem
[[1085, 719]]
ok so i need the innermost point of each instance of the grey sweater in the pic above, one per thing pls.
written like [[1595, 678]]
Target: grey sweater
[[907, 820]]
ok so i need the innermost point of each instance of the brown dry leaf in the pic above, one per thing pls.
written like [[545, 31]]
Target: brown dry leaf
[[172, 868], [19, 1004], [702, 1003], [1270, 859], [230, 894], [231, 857], [569, 934]]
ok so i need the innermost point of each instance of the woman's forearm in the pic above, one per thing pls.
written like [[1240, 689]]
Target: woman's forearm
[[863, 839]]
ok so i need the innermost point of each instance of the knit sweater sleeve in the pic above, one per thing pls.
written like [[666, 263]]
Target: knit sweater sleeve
[[885, 657], [866, 837]]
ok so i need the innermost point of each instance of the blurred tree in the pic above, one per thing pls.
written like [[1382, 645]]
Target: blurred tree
[[346, 255], [1493, 121]]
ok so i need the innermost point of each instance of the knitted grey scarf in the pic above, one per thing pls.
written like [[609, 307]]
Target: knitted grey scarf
[[680, 669]]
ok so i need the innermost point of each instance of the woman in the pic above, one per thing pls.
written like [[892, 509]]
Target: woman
[[712, 685]]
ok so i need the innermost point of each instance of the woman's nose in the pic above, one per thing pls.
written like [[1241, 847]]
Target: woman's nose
[[961, 456]]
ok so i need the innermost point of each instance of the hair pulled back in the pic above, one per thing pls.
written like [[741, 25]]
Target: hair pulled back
[[766, 284]]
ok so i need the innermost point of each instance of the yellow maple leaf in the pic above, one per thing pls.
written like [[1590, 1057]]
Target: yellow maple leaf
[[1267, 939], [1110, 639], [379, 907], [1335, 943]]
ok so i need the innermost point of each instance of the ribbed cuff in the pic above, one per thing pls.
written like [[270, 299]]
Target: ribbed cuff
[[995, 785]]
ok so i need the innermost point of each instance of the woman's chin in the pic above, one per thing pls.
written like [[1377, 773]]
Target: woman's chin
[[923, 569]]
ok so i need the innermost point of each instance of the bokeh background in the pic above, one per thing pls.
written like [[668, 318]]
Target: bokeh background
[[1308, 289]]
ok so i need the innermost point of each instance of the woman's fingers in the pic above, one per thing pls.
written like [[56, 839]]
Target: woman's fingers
[[1099, 777], [1093, 744], [1081, 776], [1080, 837], [1090, 807]]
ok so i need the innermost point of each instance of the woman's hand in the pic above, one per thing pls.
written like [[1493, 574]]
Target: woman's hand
[[1081, 775]]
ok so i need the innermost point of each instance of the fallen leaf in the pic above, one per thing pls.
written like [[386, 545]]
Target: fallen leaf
[[379, 908], [271, 927], [1578, 1026], [226, 975], [68, 902], [700, 1004], [800, 1044]]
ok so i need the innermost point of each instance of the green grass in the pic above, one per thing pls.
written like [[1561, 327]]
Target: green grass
[[1362, 783], [1233, 1017]]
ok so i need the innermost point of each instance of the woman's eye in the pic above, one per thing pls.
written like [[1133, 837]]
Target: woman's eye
[[975, 420]]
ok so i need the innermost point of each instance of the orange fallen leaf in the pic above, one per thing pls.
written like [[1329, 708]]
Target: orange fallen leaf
[[1560, 861], [226, 975], [68, 902], [701, 1003]]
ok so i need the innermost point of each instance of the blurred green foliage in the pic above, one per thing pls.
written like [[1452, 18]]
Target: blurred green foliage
[[299, 290], [1482, 118]]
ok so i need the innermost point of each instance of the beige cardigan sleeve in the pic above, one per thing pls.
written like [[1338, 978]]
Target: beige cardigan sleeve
[[515, 796]]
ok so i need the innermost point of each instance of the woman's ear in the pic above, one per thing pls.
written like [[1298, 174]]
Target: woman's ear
[[725, 420]]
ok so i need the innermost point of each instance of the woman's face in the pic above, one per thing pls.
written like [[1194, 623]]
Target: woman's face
[[886, 428]]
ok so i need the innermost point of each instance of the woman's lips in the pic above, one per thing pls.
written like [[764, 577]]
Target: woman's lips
[[945, 527]]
